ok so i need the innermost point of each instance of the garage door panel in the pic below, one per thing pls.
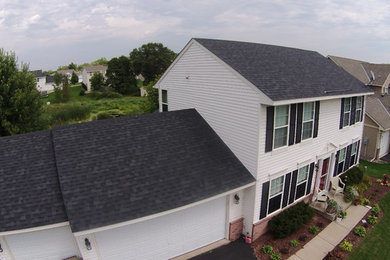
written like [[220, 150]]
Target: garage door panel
[[56, 243], [167, 236]]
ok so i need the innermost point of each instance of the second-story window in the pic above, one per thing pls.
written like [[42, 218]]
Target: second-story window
[[347, 111], [308, 120], [358, 113], [164, 99], [281, 126]]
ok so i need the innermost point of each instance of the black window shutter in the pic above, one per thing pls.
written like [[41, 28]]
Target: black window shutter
[[286, 189], [264, 200], [353, 111], [293, 186], [311, 171], [357, 152], [336, 163], [361, 114], [293, 115], [316, 119], [341, 114], [269, 135], [298, 136], [347, 157]]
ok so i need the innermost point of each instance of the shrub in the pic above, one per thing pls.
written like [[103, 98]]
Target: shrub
[[372, 220], [364, 201], [290, 220], [313, 229], [82, 92], [376, 209], [346, 245], [84, 86], [349, 193], [275, 256], [294, 243], [67, 113], [360, 231], [367, 180], [267, 249], [353, 176], [108, 114]]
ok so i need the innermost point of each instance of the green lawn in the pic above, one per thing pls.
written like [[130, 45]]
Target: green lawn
[[377, 244], [375, 169], [85, 108]]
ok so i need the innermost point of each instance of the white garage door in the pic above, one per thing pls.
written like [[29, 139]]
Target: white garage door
[[51, 244], [385, 144], [167, 236]]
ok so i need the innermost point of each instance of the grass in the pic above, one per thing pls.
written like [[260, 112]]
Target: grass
[[56, 112], [375, 169], [376, 244]]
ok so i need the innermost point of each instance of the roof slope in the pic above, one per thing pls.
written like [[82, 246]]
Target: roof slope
[[116, 170], [30, 194], [381, 72], [377, 111], [284, 73], [353, 67]]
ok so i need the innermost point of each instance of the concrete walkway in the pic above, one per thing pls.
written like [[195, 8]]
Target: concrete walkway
[[331, 236]]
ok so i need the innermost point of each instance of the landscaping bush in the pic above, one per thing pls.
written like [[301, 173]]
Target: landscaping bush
[[360, 231], [349, 193], [376, 209], [275, 256], [294, 243], [346, 246], [364, 201], [353, 176], [290, 220], [313, 229], [372, 220], [267, 249]]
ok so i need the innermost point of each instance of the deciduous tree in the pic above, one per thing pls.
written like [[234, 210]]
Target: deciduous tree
[[97, 81], [120, 76]]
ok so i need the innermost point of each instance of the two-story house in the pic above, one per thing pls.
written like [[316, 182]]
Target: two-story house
[[44, 82], [291, 116], [88, 72]]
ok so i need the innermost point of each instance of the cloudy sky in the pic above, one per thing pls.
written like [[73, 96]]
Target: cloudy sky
[[47, 34]]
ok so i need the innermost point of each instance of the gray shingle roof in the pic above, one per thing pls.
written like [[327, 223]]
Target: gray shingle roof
[[353, 67], [284, 73], [116, 170], [376, 110], [30, 194], [38, 73], [381, 72]]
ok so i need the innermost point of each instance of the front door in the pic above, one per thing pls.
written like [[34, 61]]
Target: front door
[[324, 174]]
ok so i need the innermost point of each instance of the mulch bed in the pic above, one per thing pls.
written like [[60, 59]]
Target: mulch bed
[[283, 247]]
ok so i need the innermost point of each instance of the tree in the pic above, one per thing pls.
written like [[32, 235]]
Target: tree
[[97, 81], [151, 102], [102, 61], [120, 76], [65, 89], [151, 60], [58, 87], [72, 66], [74, 79], [20, 103]]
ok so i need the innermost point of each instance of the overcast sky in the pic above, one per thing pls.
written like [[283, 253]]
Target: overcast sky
[[47, 34]]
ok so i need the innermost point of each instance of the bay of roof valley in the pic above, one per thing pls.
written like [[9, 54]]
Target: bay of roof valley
[[250, 130]]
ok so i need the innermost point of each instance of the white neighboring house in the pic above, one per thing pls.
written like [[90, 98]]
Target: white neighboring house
[[44, 83], [88, 72]]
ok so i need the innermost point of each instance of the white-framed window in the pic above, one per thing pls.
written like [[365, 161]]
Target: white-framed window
[[347, 112], [303, 175], [308, 120], [275, 194], [341, 161], [281, 122], [353, 153], [359, 106], [164, 99]]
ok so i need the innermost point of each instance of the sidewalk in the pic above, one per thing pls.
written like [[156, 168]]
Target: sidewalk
[[331, 236]]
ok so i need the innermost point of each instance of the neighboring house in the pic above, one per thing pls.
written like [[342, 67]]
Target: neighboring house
[[376, 143], [100, 190], [44, 83], [291, 116], [88, 72]]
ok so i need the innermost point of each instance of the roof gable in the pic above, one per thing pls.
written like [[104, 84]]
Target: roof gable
[[284, 73]]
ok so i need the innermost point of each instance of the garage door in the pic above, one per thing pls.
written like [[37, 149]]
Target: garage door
[[167, 236], [385, 144], [53, 244]]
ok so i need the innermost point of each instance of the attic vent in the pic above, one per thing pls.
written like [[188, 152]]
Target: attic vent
[[372, 75]]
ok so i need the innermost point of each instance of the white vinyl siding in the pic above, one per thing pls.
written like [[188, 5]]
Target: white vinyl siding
[[347, 112], [281, 126], [308, 120]]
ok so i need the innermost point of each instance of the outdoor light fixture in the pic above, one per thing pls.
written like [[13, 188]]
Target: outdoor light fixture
[[87, 244], [236, 198], [1, 249]]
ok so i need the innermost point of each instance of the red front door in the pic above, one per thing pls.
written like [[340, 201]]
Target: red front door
[[324, 173]]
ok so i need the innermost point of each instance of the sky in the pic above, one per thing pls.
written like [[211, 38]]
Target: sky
[[48, 34]]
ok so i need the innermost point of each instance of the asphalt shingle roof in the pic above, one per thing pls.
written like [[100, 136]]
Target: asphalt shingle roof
[[353, 67], [116, 170], [381, 72], [30, 194], [284, 73], [376, 110]]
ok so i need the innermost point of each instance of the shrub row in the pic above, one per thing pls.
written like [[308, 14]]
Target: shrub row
[[290, 220], [353, 176]]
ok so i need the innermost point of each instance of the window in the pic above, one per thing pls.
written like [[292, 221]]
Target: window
[[281, 126], [342, 155], [353, 153], [308, 120], [275, 194], [358, 113], [303, 174], [347, 112], [164, 100]]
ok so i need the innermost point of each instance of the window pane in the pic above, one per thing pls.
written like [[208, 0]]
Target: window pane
[[358, 102], [308, 109], [347, 104], [280, 138], [357, 115], [346, 119], [164, 96], [300, 191], [274, 203], [281, 115], [164, 108], [342, 155], [307, 130], [354, 148], [276, 186], [302, 174]]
